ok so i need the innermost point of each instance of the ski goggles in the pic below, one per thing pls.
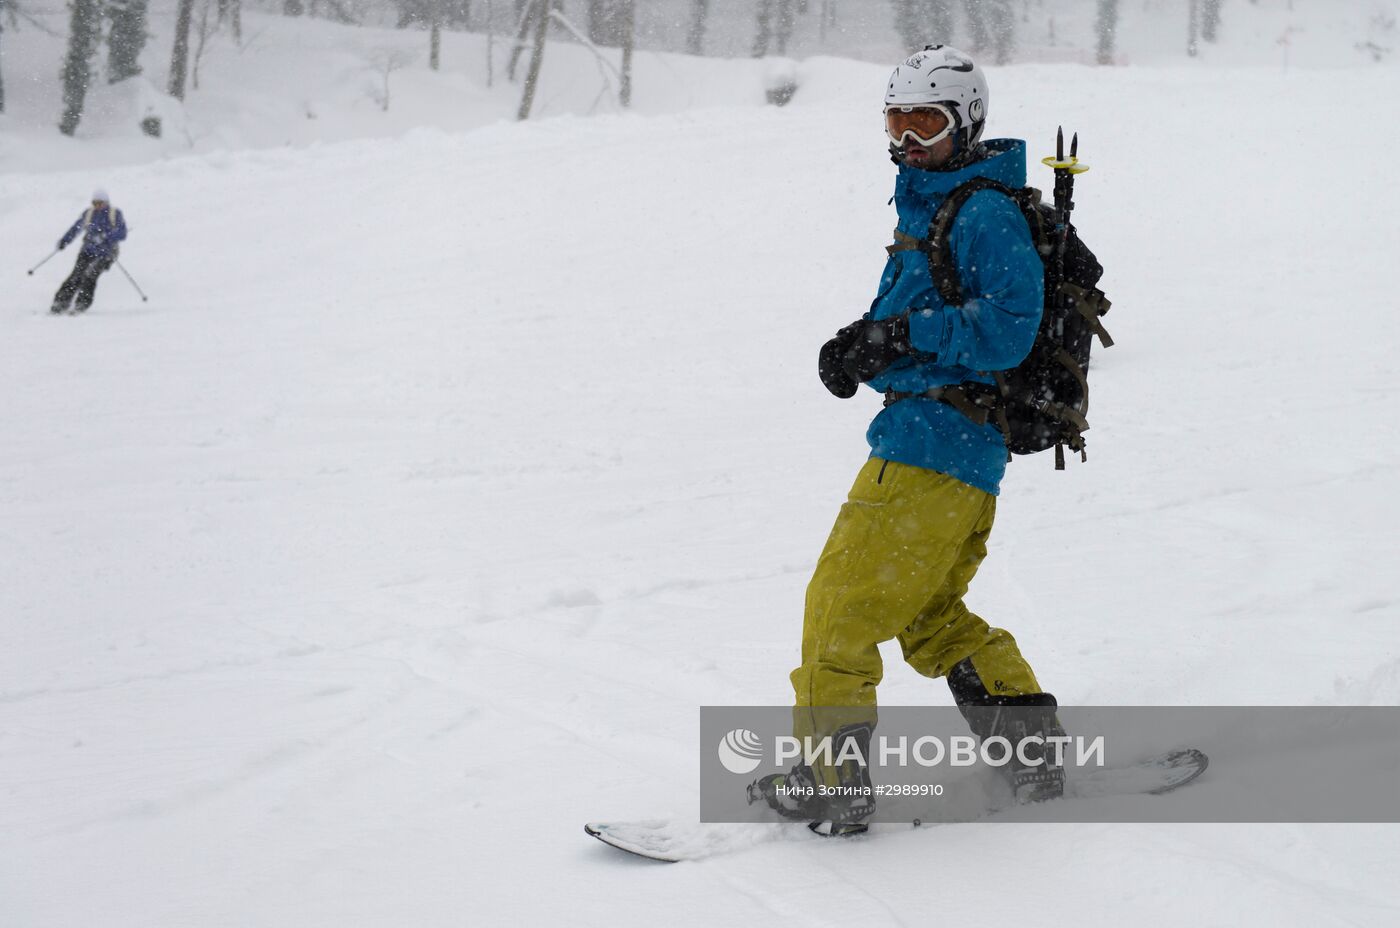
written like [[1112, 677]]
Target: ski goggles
[[927, 125]]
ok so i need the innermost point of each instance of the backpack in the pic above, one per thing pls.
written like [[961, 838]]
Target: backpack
[[1044, 400]]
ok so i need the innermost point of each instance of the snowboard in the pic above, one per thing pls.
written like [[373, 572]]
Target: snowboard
[[672, 841]]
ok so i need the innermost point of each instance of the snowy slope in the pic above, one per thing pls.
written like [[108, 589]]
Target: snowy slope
[[442, 478]]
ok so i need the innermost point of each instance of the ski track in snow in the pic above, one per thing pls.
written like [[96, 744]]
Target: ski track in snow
[[443, 478]]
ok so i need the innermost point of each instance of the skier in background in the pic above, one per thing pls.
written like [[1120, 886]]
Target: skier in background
[[103, 229], [914, 529]]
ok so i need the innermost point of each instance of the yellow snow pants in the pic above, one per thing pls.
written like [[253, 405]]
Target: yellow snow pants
[[905, 546]]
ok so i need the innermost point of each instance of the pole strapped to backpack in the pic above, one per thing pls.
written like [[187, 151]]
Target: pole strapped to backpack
[[1044, 400]]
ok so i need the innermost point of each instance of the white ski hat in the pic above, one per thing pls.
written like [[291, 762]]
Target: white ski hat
[[100, 196]]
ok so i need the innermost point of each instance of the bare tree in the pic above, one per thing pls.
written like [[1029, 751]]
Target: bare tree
[[993, 27], [1106, 26], [386, 61], [231, 12], [924, 22], [202, 30], [2, 45], [606, 68], [1210, 20], [699, 19], [532, 78], [293, 7], [180, 52], [828, 19], [606, 21], [525, 18], [490, 43], [629, 37], [84, 30], [435, 34], [776, 19]]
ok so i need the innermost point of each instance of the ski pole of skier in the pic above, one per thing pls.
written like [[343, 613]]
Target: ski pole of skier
[[121, 268], [43, 262]]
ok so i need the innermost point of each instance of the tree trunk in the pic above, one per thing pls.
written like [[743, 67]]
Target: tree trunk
[[532, 78], [776, 19], [1210, 21], [490, 43], [126, 39], [629, 35], [434, 44], [923, 22], [699, 19], [977, 25], [1107, 28], [83, 33], [525, 16], [607, 21], [1001, 26], [2, 56], [787, 21], [828, 15], [180, 54], [1193, 28]]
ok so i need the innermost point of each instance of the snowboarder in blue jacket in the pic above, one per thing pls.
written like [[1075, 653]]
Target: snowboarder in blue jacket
[[915, 527], [103, 228]]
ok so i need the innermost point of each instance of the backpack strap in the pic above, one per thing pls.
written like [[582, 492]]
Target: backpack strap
[[942, 265], [1091, 304], [938, 246]]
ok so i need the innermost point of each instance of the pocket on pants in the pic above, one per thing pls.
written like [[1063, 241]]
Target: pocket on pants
[[873, 483]]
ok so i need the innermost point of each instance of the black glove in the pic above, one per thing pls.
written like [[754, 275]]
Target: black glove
[[875, 346], [829, 363], [62, 244]]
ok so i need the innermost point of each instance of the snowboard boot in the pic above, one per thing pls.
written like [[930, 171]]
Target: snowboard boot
[[1037, 778], [792, 795], [834, 799]]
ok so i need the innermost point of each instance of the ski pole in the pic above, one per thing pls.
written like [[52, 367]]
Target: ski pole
[[133, 282], [42, 263], [1065, 170]]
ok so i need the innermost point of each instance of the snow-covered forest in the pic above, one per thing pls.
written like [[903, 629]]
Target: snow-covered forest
[[446, 462], [153, 68]]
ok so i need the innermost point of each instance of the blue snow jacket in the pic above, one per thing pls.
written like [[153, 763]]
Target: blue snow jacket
[[104, 227], [1003, 279]]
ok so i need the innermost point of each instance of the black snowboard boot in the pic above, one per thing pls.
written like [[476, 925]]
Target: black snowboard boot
[[1014, 718], [839, 804]]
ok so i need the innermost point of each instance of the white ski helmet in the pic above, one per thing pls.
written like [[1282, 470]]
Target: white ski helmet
[[943, 76]]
